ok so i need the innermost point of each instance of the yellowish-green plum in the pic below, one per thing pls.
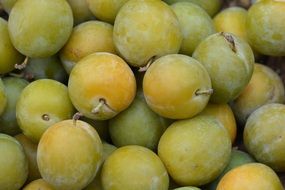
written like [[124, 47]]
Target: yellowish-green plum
[[177, 86], [38, 184], [13, 163], [145, 29], [13, 89], [40, 28], [264, 134], [80, 11], [229, 61], [210, 6], [9, 55], [106, 10], [3, 97], [69, 155], [195, 24], [101, 85], [41, 104], [252, 176], [232, 20], [134, 167], [265, 87], [195, 151], [87, 38], [265, 27], [8, 4], [30, 150]]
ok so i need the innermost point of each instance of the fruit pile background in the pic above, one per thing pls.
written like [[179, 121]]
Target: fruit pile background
[[133, 104]]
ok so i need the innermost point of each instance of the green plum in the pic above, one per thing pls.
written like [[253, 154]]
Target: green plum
[[210, 6], [45, 68], [87, 38], [80, 10], [8, 121], [38, 184], [229, 61], [137, 125], [8, 4], [106, 10], [145, 29], [265, 27], [40, 28], [9, 55], [195, 24], [3, 97], [41, 104], [13, 163]]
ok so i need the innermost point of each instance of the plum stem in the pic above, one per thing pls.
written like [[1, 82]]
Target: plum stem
[[204, 92], [22, 65], [145, 68], [45, 117], [97, 109], [76, 117]]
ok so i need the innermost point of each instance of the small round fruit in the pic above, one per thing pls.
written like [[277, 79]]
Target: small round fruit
[[40, 28], [87, 38], [232, 20], [265, 27], [265, 87], [238, 158], [9, 55], [187, 188], [106, 10], [137, 125], [8, 4], [177, 86], [264, 135], [195, 24], [30, 150], [211, 7], [225, 115], [38, 184], [69, 155], [3, 97], [80, 11], [101, 85], [195, 151], [145, 29], [13, 163], [134, 167], [229, 61], [253, 176], [13, 89], [41, 104]]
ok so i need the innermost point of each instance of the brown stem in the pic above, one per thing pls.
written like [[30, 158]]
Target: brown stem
[[145, 68], [22, 65], [204, 92], [76, 117], [45, 117], [97, 109]]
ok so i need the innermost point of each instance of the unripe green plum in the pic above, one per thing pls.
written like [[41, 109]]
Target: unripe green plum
[[210, 6], [38, 184], [101, 85], [8, 121], [69, 155], [195, 151], [9, 55], [177, 86], [134, 167], [195, 24], [8, 4], [30, 150], [264, 134], [3, 97], [45, 68], [264, 87], [229, 61], [265, 27], [106, 10], [87, 38], [238, 158], [40, 28], [137, 125], [145, 29], [80, 11], [41, 104], [13, 163]]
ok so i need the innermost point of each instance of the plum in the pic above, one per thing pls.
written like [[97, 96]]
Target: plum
[[229, 61], [101, 85], [146, 29], [3, 97], [38, 184], [187, 188], [80, 11], [8, 4], [69, 155], [101, 126], [177, 86], [195, 24]]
